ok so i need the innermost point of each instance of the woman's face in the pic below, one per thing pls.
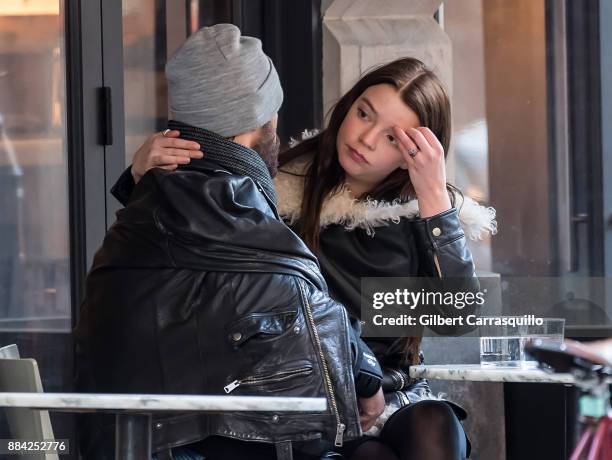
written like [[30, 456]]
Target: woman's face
[[367, 149]]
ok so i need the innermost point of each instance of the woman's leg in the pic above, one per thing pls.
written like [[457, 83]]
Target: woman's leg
[[427, 430]]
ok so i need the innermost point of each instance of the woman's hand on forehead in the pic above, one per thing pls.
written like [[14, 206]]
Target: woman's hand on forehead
[[424, 158]]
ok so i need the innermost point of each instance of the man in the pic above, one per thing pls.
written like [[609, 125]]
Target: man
[[199, 287]]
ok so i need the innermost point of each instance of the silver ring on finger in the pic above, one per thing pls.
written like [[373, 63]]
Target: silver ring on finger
[[413, 152], [165, 131]]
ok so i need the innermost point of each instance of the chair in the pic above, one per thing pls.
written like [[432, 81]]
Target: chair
[[21, 375]]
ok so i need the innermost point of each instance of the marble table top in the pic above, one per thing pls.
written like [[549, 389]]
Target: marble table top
[[76, 402], [477, 373]]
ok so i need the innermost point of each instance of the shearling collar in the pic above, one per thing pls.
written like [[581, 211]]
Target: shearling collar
[[341, 208]]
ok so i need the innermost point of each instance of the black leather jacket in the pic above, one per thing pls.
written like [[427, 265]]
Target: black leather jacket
[[199, 284]]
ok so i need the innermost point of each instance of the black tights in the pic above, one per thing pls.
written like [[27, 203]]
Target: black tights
[[427, 430]]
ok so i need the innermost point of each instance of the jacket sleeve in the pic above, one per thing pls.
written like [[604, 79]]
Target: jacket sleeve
[[366, 368], [401, 390], [445, 259], [397, 385], [442, 247], [123, 188]]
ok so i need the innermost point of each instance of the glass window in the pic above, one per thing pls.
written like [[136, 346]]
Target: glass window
[[34, 249], [35, 300], [150, 34], [527, 99]]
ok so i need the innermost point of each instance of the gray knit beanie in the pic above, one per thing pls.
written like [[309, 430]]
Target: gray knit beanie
[[223, 82]]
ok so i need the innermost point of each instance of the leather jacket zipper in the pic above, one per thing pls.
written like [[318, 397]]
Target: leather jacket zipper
[[437, 261], [340, 427], [270, 378]]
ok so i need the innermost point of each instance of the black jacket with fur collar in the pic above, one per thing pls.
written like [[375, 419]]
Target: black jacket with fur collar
[[382, 239]]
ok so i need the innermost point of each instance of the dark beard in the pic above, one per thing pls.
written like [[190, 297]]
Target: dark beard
[[268, 148]]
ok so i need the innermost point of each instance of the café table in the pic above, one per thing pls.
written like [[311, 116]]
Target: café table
[[513, 376], [478, 373], [134, 412]]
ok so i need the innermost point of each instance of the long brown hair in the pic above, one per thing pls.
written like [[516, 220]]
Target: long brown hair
[[424, 94]]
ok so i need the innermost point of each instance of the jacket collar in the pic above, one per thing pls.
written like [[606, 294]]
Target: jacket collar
[[341, 208], [234, 157]]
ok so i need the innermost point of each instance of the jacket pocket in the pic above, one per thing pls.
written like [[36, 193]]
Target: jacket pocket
[[261, 326], [280, 380]]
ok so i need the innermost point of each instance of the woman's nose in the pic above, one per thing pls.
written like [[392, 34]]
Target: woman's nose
[[368, 138]]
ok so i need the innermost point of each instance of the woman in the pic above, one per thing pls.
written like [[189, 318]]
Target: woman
[[369, 196]]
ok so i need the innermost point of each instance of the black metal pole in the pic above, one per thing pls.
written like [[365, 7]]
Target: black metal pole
[[133, 437]]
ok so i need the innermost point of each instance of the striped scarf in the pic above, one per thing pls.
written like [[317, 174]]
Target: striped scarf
[[236, 158]]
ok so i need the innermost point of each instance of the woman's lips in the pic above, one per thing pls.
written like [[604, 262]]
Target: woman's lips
[[356, 156]]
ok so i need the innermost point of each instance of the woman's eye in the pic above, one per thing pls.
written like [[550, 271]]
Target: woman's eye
[[391, 139], [361, 113]]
